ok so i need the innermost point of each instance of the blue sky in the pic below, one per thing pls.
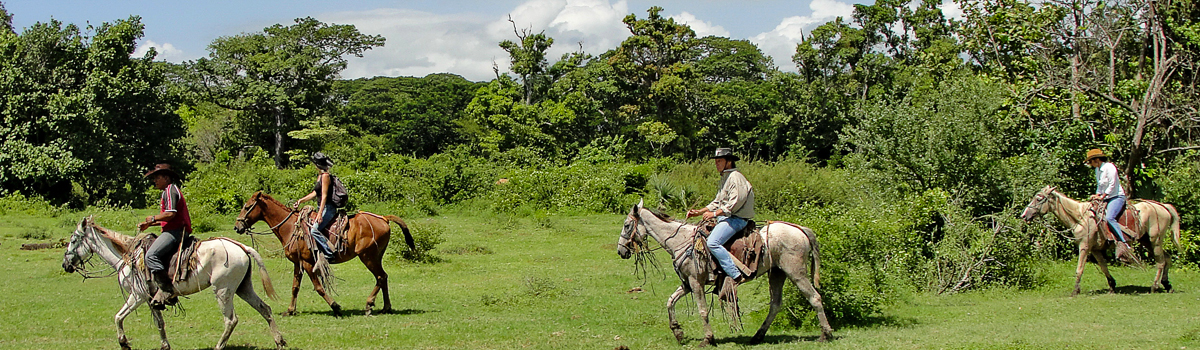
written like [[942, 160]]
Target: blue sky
[[425, 36]]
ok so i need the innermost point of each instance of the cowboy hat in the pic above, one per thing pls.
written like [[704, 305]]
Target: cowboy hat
[[321, 160], [725, 153], [1094, 153], [162, 168]]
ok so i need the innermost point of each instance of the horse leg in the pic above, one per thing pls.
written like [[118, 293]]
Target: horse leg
[[375, 265], [776, 280], [1162, 262], [799, 276], [162, 328], [225, 301], [320, 288], [1083, 253], [297, 276], [1103, 264], [697, 286], [131, 304], [675, 328], [246, 292]]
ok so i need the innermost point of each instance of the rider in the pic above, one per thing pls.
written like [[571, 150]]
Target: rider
[[1108, 189], [176, 224], [323, 188], [733, 205]]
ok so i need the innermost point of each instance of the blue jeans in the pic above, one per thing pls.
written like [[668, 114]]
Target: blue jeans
[[1116, 205], [322, 241], [726, 227]]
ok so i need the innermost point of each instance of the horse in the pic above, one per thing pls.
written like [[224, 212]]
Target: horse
[[1155, 218], [788, 248], [367, 233], [223, 264]]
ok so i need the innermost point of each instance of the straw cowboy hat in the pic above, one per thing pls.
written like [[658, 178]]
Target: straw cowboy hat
[[1094, 153], [163, 168], [725, 153]]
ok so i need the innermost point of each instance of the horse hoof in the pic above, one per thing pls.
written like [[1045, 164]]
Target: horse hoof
[[125, 346]]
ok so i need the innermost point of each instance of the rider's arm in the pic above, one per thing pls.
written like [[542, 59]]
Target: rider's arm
[[1106, 179], [309, 197]]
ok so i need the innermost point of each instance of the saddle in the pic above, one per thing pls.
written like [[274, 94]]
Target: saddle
[[336, 232], [1128, 219], [183, 262], [746, 246]]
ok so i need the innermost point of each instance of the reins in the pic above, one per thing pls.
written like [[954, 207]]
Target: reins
[[82, 266]]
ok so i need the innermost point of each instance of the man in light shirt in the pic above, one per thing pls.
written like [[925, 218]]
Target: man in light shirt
[[1108, 189], [733, 205]]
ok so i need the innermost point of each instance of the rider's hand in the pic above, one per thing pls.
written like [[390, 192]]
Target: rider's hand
[[709, 215], [693, 212], [142, 226]]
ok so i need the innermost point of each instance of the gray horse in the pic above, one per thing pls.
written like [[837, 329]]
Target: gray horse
[[788, 248]]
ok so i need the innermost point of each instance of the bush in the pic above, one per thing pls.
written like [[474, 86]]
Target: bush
[[426, 236], [17, 203]]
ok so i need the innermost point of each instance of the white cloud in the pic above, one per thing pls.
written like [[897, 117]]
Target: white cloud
[[702, 28], [166, 51], [951, 10], [780, 43], [420, 43]]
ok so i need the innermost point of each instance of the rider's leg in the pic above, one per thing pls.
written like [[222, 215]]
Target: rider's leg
[[1115, 206], [322, 241], [726, 227], [158, 259]]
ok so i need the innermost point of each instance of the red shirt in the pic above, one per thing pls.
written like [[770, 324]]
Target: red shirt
[[172, 200]]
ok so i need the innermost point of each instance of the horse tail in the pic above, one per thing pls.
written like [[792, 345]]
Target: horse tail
[[408, 238], [816, 256], [1174, 224], [268, 287]]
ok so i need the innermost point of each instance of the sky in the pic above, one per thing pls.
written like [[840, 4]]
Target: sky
[[447, 36]]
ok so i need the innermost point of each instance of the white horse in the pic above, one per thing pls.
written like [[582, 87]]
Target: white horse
[[788, 249], [223, 264]]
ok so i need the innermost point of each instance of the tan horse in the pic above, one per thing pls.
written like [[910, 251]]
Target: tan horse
[[789, 251], [1157, 219], [367, 233]]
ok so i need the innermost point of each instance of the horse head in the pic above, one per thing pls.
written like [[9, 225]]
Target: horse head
[[77, 250], [1040, 204], [251, 213], [632, 235]]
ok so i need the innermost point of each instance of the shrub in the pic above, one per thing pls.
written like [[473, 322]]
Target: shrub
[[426, 236]]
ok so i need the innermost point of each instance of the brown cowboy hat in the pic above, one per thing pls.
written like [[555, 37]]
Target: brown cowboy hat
[[162, 168], [726, 153], [1093, 153]]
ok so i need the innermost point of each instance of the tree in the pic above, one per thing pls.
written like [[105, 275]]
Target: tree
[[5, 21], [528, 58], [81, 119], [279, 76]]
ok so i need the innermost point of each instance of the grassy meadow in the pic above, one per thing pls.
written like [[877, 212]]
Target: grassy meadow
[[555, 282]]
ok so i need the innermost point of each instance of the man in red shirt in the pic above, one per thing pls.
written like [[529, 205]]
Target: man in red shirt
[[176, 224]]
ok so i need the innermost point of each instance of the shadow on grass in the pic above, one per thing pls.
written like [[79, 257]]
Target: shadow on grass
[[347, 312], [1127, 290], [244, 347]]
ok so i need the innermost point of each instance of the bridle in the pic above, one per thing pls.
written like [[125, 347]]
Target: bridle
[[241, 219], [81, 266], [1039, 200]]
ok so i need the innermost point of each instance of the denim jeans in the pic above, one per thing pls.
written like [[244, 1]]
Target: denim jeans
[[726, 227], [322, 241], [1116, 205], [158, 257]]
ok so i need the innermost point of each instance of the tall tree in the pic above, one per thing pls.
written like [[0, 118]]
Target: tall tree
[[279, 76], [80, 117], [5, 21], [528, 57]]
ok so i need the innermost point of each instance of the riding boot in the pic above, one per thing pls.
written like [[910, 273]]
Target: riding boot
[[166, 291]]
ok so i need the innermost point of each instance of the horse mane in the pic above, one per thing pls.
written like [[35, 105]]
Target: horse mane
[[124, 243], [267, 197], [661, 215]]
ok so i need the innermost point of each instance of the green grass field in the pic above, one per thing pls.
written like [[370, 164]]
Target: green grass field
[[555, 282]]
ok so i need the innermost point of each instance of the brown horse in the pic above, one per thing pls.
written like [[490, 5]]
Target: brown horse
[[367, 233], [1158, 221]]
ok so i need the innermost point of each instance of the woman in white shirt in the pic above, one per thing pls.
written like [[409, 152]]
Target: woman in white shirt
[[1108, 189]]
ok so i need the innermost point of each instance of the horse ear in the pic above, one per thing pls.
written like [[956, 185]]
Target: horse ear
[[641, 203], [1052, 189]]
